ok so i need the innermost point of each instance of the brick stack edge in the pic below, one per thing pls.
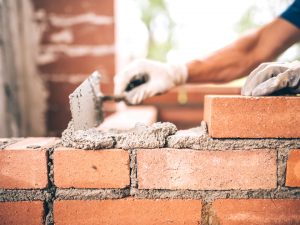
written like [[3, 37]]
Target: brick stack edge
[[44, 183]]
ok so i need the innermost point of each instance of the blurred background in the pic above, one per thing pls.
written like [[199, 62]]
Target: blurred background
[[47, 48]]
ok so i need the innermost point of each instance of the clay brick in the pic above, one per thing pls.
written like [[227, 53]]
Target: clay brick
[[128, 211], [252, 117], [91, 169], [21, 213], [24, 164], [293, 169], [103, 7], [206, 170], [82, 34], [186, 114], [256, 211], [80, 65]]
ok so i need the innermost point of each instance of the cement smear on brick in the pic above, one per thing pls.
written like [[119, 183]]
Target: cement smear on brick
[[141, 136]]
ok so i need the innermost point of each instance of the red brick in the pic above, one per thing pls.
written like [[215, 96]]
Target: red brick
[[21, 213], [83, 34], [206, 170], [293, 169], [103, 7], [190, 115], [252, 117], [256, 211], [23, 166], [91, 169], [128, 211], [80, 65]]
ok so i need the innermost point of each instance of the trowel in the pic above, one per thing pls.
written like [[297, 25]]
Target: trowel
[[87, 99]]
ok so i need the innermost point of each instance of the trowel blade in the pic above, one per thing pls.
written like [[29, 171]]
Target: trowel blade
[[86, 103]]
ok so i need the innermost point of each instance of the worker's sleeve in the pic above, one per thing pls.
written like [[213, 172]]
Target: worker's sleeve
[[292, 13]]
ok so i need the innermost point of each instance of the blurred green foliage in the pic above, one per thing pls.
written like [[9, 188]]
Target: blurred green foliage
[[151, 12]]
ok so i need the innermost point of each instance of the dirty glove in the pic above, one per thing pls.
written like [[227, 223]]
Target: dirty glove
[[272, 77], [160, 77]]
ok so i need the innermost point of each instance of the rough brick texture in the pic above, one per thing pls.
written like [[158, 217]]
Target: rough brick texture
[[252, 117], [293, 169], [24, 164], [208, 170], [104, 7], [91, 169], [21, 213], [256, 211], [128, 211]]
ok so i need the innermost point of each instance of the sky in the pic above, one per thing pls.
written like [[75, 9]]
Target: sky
[[202, 26]]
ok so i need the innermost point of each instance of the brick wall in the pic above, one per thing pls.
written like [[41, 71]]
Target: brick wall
[[77, 37], [203, 181]]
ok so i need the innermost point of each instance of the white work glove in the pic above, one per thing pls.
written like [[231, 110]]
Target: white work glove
[[269, 78], [160, 78]]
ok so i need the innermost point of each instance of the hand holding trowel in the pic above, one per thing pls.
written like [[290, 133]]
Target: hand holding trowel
[[86, 101]]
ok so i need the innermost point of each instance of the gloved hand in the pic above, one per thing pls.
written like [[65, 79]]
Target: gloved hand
[[160, 78], [272, 77]]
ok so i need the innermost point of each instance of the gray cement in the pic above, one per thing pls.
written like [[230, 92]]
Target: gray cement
[[141, 136], [159, 135], [22, 195], [91, 194], [198, 139]]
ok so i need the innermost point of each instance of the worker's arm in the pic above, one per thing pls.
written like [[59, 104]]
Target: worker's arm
[[227, 64], [239, 58]]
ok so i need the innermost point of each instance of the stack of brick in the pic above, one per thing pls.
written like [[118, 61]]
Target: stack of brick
[[223, 182], [77, 38]]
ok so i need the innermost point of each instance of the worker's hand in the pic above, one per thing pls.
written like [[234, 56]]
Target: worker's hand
[[272, 77], [160, 78]]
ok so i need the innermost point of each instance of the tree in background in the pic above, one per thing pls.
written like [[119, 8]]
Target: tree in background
[[160, 26]]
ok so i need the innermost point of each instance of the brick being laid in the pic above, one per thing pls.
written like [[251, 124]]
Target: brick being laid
[[233, 116]]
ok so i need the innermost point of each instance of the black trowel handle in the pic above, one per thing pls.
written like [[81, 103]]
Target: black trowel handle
[[136, 81]]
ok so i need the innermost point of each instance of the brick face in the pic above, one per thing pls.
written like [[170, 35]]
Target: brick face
[[22, 166], [256, 211], [293, 169], [128, 211], [252, 117], [21, 213], [207, 170], [91, 169], [103, 7]]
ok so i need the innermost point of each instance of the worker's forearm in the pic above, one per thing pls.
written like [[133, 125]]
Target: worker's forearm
[[238, 59]]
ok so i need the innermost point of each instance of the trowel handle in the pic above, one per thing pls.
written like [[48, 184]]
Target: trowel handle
[[136, 81], [116, 98]]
